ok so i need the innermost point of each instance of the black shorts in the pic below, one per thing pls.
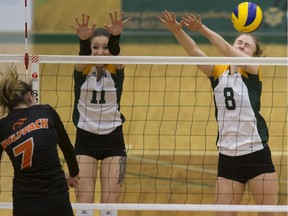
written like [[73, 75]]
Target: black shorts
[[45, 205], [246, 167], [100, 146]]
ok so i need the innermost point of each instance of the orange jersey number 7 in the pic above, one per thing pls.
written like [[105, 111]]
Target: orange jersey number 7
[[26, 150]]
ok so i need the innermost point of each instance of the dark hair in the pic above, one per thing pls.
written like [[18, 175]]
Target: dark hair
[[100, 32]]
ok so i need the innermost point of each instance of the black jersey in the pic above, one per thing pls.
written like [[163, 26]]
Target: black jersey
[[30, 136]]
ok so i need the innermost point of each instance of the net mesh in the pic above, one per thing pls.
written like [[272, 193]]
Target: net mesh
[[170, 129]]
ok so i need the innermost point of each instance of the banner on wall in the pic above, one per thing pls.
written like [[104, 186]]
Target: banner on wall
[[12, 15], [216, 14]]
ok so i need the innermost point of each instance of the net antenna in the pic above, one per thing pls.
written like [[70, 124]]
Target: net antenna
[[26, 58], [34, 70]]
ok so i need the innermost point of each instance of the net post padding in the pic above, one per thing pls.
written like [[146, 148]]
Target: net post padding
[[167, 60]]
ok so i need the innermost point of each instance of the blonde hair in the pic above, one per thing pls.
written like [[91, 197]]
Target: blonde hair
[[12, 90]]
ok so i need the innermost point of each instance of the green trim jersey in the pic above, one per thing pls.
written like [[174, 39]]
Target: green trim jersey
[[241, 128], [97, 99]]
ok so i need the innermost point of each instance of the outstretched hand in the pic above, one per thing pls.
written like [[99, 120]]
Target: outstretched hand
[[192, 22], [170, 22], [83, 29], [117, 24]]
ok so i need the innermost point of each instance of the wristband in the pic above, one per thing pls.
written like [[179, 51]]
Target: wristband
[[113, 44], [85, 47]]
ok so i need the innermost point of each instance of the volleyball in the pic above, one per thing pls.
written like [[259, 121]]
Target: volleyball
[[246, 17]]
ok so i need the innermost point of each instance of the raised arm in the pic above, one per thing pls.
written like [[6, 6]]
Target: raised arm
[[84, 32], [194, 23], [115, 29], [169, 21]]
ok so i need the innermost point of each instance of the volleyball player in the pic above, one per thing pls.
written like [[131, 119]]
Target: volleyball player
[[244, 154], [99, 136], [29, 134]]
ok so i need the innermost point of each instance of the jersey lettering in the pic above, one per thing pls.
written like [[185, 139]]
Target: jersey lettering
[[229, 98], [38, 124]]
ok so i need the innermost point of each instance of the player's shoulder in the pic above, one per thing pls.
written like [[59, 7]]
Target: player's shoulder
[[218, 70], [88, 69], [111, 68], [108, 67], [44, 108]]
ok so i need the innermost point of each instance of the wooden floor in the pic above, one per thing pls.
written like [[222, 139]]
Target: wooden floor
[[163, 179]]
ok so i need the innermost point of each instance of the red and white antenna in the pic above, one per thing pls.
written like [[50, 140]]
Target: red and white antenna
[[26, 57], [35, 68]]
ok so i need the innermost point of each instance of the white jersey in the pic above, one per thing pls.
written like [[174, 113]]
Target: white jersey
[[97, 100], [241, 128]]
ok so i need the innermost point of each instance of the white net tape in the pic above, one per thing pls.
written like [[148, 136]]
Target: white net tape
[[149, 60], [175, 207]]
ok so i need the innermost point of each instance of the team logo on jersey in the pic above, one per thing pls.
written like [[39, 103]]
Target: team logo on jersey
[[19, 123]]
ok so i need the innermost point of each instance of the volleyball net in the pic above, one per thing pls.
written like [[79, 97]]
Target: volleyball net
[[170, 129]]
